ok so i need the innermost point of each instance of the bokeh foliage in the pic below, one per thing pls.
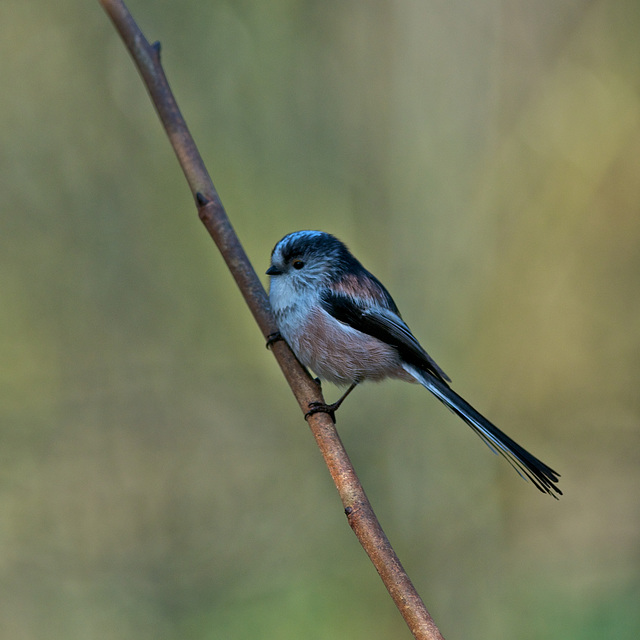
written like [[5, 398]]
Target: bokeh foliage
[[482, 158]]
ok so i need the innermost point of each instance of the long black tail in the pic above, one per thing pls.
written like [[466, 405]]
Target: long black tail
[[527, 465]]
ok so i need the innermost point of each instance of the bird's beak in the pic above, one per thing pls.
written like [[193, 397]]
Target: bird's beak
[[273, 271]]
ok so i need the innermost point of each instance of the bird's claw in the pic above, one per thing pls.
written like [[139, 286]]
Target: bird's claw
[[321, 407], [272, 338]]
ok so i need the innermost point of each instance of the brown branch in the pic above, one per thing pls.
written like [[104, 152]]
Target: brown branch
[[360, 515]]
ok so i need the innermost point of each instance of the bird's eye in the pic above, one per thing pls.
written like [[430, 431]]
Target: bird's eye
[[297, 264]]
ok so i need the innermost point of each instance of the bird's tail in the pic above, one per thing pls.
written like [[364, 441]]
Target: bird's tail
[[527, 465]]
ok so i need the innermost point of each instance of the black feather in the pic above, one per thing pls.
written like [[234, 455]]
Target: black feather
[[386, 325]]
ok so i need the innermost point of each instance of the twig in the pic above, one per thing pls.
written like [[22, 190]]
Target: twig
[[359, 513]]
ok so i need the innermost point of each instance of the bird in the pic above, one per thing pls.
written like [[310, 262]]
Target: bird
[[342, 323]]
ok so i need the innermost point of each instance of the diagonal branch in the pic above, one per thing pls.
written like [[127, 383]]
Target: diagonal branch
[[359, 512]]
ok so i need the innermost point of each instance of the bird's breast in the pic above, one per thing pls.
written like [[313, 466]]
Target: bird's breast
[[335, 351]]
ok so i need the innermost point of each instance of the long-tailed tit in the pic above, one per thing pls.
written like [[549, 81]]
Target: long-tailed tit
[[341, 322]]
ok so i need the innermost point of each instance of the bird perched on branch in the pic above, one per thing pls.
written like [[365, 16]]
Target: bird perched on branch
[[342, 323]]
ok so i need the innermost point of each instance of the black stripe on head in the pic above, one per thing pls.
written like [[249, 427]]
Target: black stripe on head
[[320, 246]]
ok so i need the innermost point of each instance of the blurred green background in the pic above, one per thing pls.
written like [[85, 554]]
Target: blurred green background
[[157, 479]]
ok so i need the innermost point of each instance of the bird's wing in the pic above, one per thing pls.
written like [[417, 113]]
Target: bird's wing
[[384, 324]]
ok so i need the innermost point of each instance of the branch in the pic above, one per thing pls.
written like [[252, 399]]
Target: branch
[[359, 512]]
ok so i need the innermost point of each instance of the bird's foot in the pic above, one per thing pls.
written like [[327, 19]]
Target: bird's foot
[[321, 407], [272, 338]]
